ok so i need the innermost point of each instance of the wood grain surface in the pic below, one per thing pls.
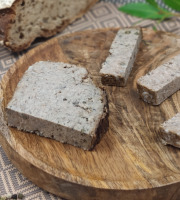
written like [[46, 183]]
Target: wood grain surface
[[129, 163]]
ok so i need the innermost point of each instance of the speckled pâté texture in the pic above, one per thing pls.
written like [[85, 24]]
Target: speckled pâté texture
[[170, 131], [159, 84], [59, 101], [118, 65]]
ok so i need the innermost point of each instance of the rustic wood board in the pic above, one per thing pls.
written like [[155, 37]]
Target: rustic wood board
[[130, 162]]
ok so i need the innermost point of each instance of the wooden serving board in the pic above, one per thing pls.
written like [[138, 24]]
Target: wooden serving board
[[129, 163]]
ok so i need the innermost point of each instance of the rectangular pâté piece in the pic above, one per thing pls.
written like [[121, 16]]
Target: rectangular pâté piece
[[122, 54], [59, 101], [157, 85], [170, 131]]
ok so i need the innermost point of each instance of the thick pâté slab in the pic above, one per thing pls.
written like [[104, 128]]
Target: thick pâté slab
[[118, 65], [22, 21], [170, 131], [59, 101], [157, 85]]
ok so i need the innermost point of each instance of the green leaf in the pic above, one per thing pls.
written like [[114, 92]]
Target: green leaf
[[145, 11], [153, 3], [174, 4]]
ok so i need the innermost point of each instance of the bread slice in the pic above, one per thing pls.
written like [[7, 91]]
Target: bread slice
[[59, 101], [170, 131], [21, 21], [118, 65], [159, 84]]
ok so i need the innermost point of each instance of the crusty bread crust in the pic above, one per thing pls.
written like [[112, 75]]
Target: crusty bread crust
[[7, 18]]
